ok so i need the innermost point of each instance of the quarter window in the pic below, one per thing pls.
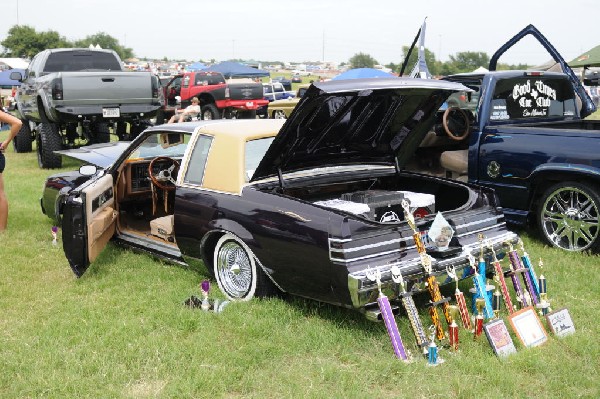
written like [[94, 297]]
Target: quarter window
[[195, 169]]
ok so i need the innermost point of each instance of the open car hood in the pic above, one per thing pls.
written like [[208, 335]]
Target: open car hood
[[101, 155], [359, 121]]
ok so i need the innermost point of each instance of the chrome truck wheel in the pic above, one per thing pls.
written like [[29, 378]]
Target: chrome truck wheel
[[569, 216]]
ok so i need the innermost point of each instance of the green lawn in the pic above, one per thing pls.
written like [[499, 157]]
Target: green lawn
[[121, 331]]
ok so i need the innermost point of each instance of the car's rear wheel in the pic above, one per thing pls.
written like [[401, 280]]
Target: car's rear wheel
[[23, 140], [236, 271], [569, 216], [48, 141], [210, 111], [279, 114]]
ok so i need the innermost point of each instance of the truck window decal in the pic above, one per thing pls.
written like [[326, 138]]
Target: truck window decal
[[523, 98]]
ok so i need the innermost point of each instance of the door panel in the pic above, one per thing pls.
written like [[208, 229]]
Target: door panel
[[101, 216], [89, 222]]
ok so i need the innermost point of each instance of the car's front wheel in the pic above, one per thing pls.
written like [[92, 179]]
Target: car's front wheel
[[235, 269], [569, 216]]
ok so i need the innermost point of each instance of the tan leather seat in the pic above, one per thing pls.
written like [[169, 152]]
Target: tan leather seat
[[162, 227], [455, 161]]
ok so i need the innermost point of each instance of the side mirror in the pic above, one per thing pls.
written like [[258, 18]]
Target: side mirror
[[88, 170], [16, 76]]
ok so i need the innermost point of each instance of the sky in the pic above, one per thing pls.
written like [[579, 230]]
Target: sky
[[314, 30]]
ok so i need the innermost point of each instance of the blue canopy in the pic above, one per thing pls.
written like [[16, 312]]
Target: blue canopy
[[5, 79], [195, 66], [359, 73], [231, 69]]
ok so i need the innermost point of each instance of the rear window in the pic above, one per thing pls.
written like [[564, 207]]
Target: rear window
[[255, 151], [207, 79], [75, 61], [532, 97]]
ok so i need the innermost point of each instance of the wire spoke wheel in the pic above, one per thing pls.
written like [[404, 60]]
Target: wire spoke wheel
[[235, 269], [570, 217]]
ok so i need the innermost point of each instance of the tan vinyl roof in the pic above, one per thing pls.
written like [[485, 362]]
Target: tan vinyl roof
[[225, 168]]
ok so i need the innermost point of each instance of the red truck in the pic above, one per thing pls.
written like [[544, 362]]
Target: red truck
[[219, 98]]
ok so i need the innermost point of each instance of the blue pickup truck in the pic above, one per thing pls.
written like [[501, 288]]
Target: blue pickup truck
[[523, 133]]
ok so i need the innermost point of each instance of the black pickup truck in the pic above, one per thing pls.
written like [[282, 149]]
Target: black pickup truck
[[523, 133]]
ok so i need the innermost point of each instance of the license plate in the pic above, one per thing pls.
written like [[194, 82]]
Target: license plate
[[111, 112], [249, 104]]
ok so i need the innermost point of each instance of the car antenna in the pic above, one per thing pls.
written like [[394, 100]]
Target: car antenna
[[280, 176]]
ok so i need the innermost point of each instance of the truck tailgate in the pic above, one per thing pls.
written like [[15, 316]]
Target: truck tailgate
[[106, 88]]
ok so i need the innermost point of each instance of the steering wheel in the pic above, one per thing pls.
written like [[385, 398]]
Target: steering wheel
[[165, 178], [456, 123]]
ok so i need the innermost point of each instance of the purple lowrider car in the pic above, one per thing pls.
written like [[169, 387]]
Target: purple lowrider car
[[307, 205]]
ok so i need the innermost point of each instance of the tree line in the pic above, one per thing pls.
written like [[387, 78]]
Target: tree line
[[24, 41]]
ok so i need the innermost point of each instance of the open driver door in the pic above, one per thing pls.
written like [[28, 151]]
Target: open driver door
[[89, 222]]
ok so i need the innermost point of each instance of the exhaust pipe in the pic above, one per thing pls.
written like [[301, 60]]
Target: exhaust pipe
[[374, 314]]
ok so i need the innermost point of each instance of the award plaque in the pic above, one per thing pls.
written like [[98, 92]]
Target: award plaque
[[526, 324], [500, 340], [560, 322]]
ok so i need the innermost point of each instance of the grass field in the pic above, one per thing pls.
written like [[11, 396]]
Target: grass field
[[121, 331]]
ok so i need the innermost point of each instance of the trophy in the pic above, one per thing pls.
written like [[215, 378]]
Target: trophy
[[411, 310], [481, 289], [499, 278], [496, 299], [514, 258], [432, 285], [515, 270], [432, 350], [204, 288], [480, 304], [388, 317], [460, 299], [544, 304], [54, 231], [453, 327], [530, 270]]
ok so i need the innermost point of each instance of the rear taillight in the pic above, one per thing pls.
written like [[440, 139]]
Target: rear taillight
[[226, 92], [155, 87], [57, 89]]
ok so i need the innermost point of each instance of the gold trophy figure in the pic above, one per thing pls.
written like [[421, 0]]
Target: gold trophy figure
[[432, 284], [453, 327]]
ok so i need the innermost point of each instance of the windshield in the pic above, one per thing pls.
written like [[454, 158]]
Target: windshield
[[171, 145], [255, 151]]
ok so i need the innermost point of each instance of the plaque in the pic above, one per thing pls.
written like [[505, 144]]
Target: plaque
[[526, 324], [560, 322], [500, 340]]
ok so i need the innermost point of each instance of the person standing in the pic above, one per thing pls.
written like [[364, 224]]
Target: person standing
[[15, 126]]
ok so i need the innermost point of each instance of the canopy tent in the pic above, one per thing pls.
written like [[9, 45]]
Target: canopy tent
[[588, 59], [231, 69], [195, 66], [6, 81], [359, 73]]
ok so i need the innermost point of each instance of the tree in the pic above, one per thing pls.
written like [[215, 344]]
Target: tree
[[23, 41], [468, 61], [106, 41], [362, 60]]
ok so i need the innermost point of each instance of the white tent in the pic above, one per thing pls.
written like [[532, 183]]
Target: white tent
[[14, 63], [480, 70]]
